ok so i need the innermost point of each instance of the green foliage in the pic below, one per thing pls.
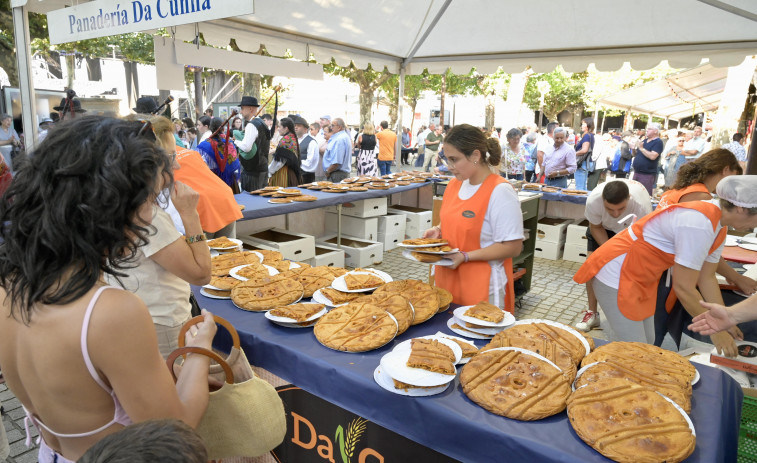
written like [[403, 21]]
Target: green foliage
[[566, 91]]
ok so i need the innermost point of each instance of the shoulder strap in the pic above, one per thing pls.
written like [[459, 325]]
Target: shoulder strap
[[85, 331]]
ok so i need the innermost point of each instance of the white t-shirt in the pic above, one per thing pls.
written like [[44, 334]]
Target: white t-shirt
[[686, 233], [639, 204], [165, 294], [502, 222]]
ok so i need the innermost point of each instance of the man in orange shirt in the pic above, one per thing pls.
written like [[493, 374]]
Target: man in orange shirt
[[387, 140]]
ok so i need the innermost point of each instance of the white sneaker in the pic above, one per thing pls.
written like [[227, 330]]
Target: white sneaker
[[590, 320]]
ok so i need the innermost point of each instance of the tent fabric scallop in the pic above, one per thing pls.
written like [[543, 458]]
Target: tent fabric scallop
[[487, 34]]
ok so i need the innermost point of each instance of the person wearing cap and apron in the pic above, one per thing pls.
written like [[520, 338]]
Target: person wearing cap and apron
[[686, 238], [481, 217]]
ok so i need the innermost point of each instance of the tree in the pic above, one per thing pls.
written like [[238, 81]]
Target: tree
[[368, 80], [492, 87], [566, 91], [415, 85]]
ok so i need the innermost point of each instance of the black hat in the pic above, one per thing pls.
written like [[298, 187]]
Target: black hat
[[76, 105], [146, 105], [249, 101], [297, 119]]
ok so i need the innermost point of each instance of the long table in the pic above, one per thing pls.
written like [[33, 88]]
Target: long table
[[449, 422], [256, 206]]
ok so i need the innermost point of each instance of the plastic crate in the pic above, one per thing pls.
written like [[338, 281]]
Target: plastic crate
[[748, 431]]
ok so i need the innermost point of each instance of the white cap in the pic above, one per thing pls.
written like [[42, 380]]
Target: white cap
[[739, 190]]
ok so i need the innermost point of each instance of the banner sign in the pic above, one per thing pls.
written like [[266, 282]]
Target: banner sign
[[111, 17], [320, 432]]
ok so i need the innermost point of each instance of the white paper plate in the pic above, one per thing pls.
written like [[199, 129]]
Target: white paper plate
[[749, 239], [467, 334], [394, 364], [418, 246], [384, 276], [444, 262], [682, 412], [321, 299], [214, 253], [749, 246], [581, 371], [202, 291], [386, 382], [260, 256], [731, 240], [437, 253], [237, 246], [275, 318], [340, 285], [506, 321], [396, 324], [463, 360], [457, 350], [558, 325], [747, 267], [489, 331]]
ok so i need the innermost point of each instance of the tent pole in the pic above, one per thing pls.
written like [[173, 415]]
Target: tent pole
[[25, 80], [398, 143]]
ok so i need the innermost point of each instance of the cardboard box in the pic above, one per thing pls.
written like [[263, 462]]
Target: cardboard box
[[417, 220], [372, 207], [552, 229], [366, 228], [575, 252], [577, 233], [391, 224], [549, 250], [327, 256], [391, 240], [293, 246], [358, 252]]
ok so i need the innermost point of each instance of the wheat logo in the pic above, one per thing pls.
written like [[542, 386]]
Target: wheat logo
[[355, 429]]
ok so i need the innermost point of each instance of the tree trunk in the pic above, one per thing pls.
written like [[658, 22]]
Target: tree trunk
[[413, 105], [489, 117], [251, 86], [366, 100], [441, 104], [394, 110]]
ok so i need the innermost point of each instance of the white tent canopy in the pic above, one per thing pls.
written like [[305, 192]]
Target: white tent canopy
[[675, 96], [487, 34], [410, 36]]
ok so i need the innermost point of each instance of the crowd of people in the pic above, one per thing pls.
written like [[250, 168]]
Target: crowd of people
[[145, 192]]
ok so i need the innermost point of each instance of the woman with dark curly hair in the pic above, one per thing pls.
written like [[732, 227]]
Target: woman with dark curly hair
[[284, 170], [82, 357]]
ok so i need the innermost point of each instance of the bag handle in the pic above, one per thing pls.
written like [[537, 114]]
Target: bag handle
[[220, 320], [199, 350]]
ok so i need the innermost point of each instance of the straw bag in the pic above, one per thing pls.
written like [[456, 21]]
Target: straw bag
[[245, 417], [236, 358]]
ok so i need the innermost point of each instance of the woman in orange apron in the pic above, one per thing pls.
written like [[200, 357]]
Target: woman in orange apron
[[481, 217], [697, 181], [687, 237]]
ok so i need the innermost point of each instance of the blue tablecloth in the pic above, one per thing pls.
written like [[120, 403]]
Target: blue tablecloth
[[449, 422], [563, 197], [256, 206]]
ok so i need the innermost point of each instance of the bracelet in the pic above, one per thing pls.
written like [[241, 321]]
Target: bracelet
[[465, 256], [196, 238]]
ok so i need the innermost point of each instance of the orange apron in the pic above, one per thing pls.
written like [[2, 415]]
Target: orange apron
[[644, 264], [217, 206], [462, 222], [674, 196]]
